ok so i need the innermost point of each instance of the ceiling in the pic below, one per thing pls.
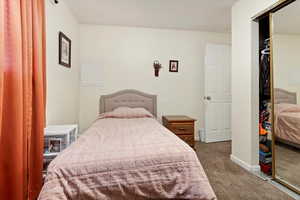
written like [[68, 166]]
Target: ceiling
[[204, 15], [287, 20]]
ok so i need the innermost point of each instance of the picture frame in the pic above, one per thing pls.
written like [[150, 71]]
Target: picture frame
[[173, 66], [54, 145], [65, 46]]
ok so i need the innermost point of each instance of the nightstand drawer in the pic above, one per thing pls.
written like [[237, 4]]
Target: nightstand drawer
[[181, 128], [189, 139]]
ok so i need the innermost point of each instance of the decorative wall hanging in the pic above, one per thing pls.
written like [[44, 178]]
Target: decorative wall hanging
[[157, 66], [64, 50], [173, 66]]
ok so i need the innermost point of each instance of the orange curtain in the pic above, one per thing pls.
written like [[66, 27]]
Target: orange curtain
[[22, 97]]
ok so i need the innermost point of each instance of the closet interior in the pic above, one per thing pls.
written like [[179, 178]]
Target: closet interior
[[265, 139]]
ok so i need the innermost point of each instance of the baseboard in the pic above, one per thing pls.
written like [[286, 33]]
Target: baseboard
[[251, 168], [212, 140], [217, 137]]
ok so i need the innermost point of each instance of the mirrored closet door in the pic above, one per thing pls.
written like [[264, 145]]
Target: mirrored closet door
[[285, 65]]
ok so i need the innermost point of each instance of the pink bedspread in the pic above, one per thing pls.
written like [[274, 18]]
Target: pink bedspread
[[287, 122], [127, 159]]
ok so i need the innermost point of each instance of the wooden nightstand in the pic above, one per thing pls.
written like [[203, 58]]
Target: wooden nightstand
[[182, 126]]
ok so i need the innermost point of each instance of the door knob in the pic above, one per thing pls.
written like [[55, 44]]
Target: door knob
[[207, 98]]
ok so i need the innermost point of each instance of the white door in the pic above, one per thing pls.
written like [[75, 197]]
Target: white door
[[217, 97]]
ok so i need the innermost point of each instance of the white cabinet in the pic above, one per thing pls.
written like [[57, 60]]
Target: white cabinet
[[59, 137], [56, 139]]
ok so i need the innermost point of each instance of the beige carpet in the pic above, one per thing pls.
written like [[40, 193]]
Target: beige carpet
[[231, 182], [288, 164]]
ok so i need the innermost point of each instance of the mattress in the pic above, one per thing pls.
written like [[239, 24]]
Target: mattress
[[127, 159], [287, 122]]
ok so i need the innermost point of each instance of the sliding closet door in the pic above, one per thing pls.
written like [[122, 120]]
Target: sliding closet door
[[217, 93], [286, 95]]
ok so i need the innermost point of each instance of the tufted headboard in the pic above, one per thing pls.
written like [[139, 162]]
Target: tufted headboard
[[284, 96], [129, 98]]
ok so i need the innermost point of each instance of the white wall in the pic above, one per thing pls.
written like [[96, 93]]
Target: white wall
[[287, 63], [245, 80], [123, 58], [62, 83]]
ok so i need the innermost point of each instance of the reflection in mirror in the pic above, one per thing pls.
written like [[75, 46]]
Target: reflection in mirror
[[286, 90]]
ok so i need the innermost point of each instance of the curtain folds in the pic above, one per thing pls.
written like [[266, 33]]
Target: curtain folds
[[22, 97]]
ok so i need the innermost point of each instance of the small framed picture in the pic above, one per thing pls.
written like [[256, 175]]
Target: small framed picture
[[54, 145], [64, 50], [173, 66]]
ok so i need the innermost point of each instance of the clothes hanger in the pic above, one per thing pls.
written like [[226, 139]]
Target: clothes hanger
[[265, 51]]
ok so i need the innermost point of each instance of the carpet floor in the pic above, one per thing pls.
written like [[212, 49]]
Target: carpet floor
[[230, 181]]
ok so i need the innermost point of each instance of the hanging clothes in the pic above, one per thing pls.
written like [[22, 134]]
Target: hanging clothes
[[264, 82]]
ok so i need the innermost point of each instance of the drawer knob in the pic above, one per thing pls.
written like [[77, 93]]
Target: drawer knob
[[182, 129]]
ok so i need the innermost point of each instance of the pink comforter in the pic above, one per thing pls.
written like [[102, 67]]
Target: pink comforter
[[127, 159], [287, 122]]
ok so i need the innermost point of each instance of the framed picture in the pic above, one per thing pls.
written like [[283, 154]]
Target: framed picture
[[54, 145], [173, 66], [64, 50]]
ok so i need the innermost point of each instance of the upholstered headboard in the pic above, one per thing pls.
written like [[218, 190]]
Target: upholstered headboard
[[284, 96], [129, 98]]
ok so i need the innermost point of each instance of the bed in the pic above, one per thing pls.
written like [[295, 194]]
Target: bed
[[127, 158], [287, 117]]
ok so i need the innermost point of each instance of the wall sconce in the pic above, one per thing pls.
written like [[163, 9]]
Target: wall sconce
[[157, 66]]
